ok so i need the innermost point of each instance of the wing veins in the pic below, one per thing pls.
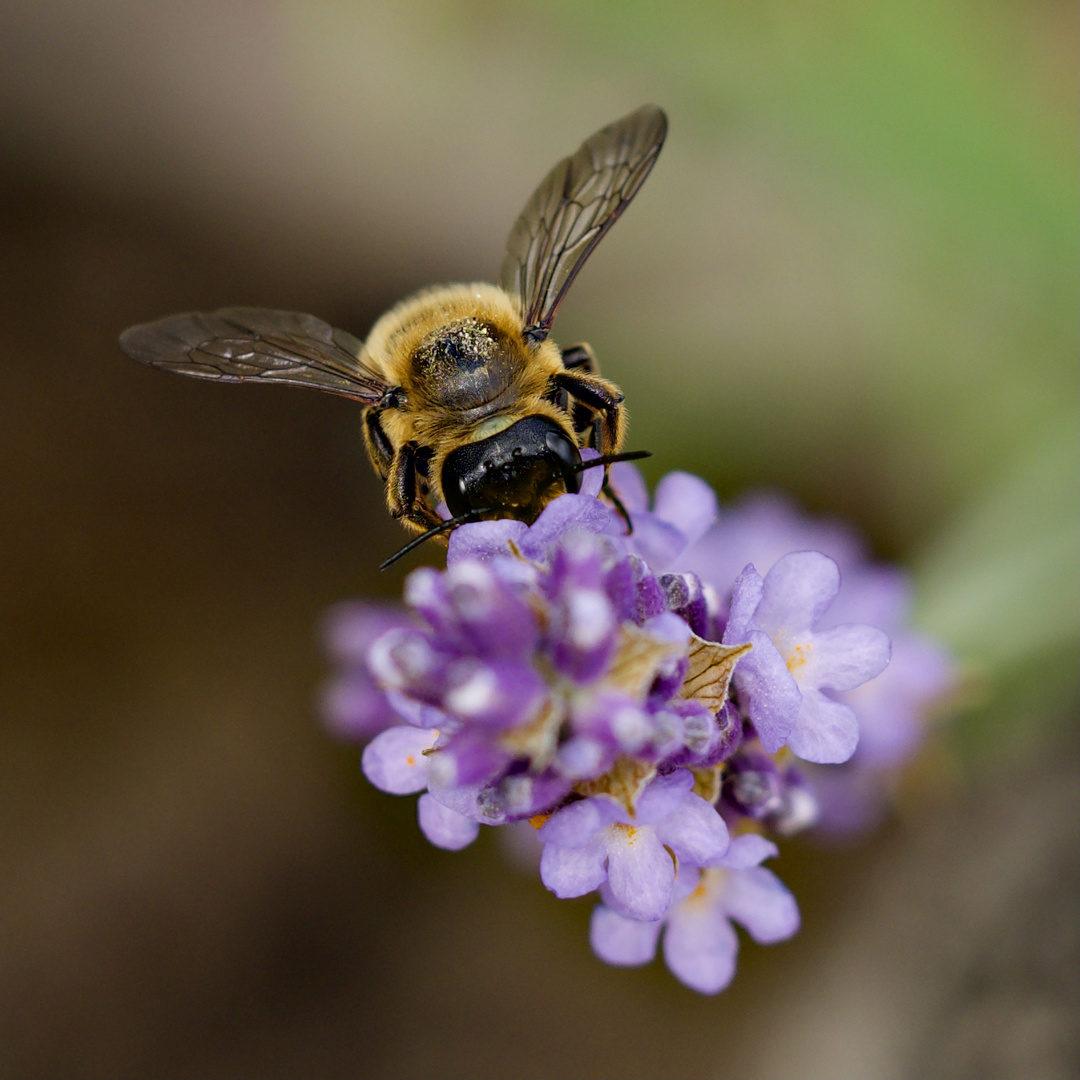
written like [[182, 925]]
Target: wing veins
[[572, 210], [238, 345]]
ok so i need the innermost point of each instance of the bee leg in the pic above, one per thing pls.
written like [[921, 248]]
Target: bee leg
[[598, 394], [608, 491], [580, 358], [595, 439], [401, 491], [379, 447], [595, 427]]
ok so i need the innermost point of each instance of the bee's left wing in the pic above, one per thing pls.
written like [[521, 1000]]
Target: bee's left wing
[[237, 345], [572, 209]]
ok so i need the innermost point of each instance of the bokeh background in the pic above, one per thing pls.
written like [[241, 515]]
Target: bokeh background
[[853, 276]]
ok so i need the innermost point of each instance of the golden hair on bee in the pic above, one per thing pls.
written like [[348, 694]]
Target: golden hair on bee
[[470, 410]]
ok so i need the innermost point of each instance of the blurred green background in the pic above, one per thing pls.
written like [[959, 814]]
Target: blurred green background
[[853, 276]]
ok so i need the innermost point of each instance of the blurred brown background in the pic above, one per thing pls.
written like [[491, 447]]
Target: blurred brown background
[[853, 275]]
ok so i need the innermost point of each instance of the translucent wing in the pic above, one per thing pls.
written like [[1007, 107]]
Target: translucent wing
[[572, 209], [252, 345]]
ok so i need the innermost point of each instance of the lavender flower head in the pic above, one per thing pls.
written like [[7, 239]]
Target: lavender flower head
[[652, 704]]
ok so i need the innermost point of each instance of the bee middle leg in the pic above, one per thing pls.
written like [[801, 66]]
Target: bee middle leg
[[597, 394], [580, 358], [401, 493]]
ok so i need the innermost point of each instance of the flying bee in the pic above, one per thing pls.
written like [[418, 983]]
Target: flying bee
[[467, 401]]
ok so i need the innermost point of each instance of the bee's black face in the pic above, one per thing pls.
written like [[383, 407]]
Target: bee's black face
[[513, 470]]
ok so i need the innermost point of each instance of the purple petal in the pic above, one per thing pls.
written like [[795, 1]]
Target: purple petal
[[581, 758], [767, 692], [658, 542], [578, 823], [761, 529], [353, 707], [759, 900], [494, 618], [469, 757], [686, 502], [747, 850], [633, 589], [592, 480], [425, 592], [745, 597], [621, 941], [562, 514], [407, 660], [613, 719], [878, 595], [349, 628], [695, 832], [484, 540], [663, 796], [525, 795], [417, 713], [890, 728], [576, 563], [826, 732], [630, 486], [700, 946], [667, 628], [640, 872], [394, 761], [797, 592], [573, 871], [496, 694], [891, 707], [444, 827], [851, 801], [583, 627], [846, 657]]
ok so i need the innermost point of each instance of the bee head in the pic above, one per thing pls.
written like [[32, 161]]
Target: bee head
[[517, 469]]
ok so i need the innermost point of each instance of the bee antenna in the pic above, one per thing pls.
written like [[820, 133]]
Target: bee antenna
[[436, 530], [610, 459]]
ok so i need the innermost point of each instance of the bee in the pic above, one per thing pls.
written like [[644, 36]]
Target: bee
[[470, 411]]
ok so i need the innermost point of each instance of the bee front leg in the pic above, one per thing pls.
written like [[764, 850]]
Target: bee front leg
[[401, 495], [598, 394], [379, 447], [581, 360]]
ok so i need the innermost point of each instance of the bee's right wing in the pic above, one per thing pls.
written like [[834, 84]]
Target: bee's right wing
[[572, 209], [238, 345]]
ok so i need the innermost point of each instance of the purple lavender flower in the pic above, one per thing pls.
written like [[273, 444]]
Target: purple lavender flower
[[634, 698], [782, 611], [700, 944], [396, 761], [629, 838], [891, 707], [542, 673]]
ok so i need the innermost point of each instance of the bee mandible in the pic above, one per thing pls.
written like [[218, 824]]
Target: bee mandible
[[468, 403]]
